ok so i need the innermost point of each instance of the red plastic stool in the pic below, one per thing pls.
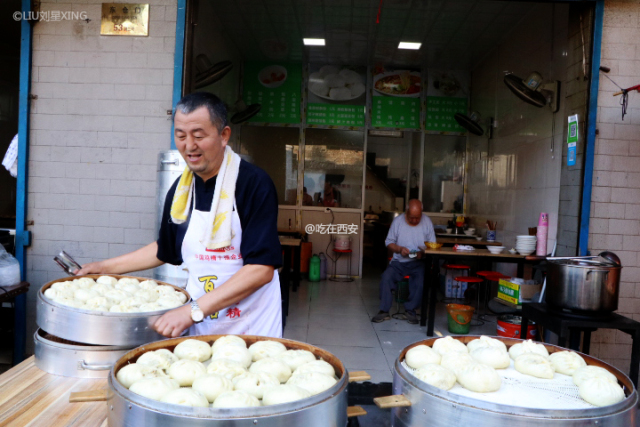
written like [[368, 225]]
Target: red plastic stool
[[489, 276], [471, 279], [447, 267]]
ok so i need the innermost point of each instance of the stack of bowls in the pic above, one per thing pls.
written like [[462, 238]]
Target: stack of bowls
[[470, 231], [525, 245]]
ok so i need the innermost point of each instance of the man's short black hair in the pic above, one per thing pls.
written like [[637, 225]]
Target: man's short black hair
[[217, 110]]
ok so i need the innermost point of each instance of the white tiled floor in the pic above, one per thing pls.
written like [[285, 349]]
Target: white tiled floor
[[336, 316]]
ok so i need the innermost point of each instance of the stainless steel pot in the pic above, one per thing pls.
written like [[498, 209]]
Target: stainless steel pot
[[584, 284], [92, 327], [433, 407], [327, 409], [58, 356]]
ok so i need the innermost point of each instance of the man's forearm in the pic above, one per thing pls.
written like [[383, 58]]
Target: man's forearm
[[142, 259], [243, 283], [396, 249]]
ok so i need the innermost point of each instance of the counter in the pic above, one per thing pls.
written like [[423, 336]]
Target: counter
[[31, 397]]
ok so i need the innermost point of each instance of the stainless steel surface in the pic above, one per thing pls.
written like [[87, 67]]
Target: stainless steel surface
[[71, 360], [434, 407], [67, 263], [590, 285], [92, 327], [125, 408], [170, 167]]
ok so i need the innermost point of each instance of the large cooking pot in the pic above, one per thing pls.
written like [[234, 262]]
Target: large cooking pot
[[584, 283]]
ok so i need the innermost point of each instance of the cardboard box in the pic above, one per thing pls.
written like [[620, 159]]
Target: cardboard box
[[516, 293]]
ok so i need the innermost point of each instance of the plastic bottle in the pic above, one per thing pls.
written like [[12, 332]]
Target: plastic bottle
[[314, 269], [323, 267]]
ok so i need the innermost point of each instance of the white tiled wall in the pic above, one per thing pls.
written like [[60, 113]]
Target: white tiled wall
[[516, 175], [615, 207], [98, 123]]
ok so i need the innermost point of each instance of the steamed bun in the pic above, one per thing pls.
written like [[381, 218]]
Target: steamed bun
[[283, 394], [534, 365], [185, 371], [212, 386], [160, 359], [235, 353], [527, 347], [154, 388], [588, 372], [235, 399], [316, 366], [480, 378], [262, 349], [421, 355], [129, 374], [227, 368], [272, 366], [228, 339], [436, 375], [194, 350], [492, 356], [255, 384], [599, 391], [186, 397], [313, 382], [566, 362], [448, 345], [296, 358]]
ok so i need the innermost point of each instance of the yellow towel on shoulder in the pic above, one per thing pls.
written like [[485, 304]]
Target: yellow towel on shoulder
[[218, 233]]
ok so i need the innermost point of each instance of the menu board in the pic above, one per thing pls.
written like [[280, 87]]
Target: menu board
[[396, 99], [275, 86], [336, 95], [447, 94], [440, 111]]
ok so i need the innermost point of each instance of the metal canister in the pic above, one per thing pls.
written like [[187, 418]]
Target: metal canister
[[170, 167]]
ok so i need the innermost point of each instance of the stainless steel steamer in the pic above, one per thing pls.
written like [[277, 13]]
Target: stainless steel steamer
[[92, 327], [430, 406], [327, 409], [71, 359]]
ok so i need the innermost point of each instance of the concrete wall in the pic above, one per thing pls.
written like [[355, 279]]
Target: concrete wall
[[615, 209], [97, 126]]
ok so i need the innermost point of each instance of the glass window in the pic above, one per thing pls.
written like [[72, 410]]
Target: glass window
[[443, 174], [274, 149], [333, 162]]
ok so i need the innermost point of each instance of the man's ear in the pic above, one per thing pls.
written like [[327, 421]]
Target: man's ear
[[226, 134]]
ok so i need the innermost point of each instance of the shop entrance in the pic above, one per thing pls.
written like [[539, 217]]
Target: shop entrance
[[330, 97]]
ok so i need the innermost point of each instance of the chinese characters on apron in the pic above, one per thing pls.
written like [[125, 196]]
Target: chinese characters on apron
[[258, 314]]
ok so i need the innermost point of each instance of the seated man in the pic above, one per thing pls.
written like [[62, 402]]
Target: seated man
[[408, 232]]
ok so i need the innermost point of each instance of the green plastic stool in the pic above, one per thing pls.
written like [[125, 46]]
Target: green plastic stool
[[402, 295]]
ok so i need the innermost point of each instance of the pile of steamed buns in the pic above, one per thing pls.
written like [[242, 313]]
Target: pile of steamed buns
[[108, 294], [227, 374], [474, 367]]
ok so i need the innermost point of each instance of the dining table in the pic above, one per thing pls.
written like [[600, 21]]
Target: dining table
[[483, 258]]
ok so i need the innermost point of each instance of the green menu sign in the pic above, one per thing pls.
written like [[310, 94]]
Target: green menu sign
[[440, 111], [276, 87], [396, 112], [335, 114]]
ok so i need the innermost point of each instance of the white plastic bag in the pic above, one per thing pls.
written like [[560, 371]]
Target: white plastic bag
[[9, 269], [10, 161]]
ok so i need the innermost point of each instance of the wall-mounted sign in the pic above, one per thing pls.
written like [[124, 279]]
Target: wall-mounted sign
[[447, 94], [396, 99], [276, 87], [337, 95], [125, 19], [572, 140]]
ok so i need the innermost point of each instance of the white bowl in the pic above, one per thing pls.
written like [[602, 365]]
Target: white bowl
[[469, 233], [513, 251], [525, 236], [495, 249], [525, 253], [449, 230], [478, 238]]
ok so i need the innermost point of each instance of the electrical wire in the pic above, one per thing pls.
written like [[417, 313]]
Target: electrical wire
[[326, 251], [624, 101]]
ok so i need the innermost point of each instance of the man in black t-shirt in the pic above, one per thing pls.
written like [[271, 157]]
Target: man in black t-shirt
[[235, 288]]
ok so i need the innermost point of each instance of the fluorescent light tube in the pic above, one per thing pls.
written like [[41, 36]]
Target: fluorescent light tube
[[313, 42], [409, 45]]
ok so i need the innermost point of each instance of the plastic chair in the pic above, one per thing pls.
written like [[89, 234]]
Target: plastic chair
[[402, 295]]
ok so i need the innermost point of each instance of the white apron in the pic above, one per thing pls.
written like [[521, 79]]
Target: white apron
[[257, 314]]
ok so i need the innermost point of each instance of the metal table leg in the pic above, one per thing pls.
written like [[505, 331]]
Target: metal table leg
[[433, 292], [635, 357], [425, 290], [296, 267]]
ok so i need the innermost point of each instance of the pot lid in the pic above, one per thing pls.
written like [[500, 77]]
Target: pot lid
[[591, 263]]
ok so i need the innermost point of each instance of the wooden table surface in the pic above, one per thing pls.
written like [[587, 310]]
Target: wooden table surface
[[286, 241], [465, 241], [30, 397], [482, 253]]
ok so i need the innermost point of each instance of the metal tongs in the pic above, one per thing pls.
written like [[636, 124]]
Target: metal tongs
[[68, 264]]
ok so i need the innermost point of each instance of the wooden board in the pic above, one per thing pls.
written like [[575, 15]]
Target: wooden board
[[395, 401], [30, 397]]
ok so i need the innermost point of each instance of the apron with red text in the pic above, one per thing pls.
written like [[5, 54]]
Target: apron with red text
[[258, 314]]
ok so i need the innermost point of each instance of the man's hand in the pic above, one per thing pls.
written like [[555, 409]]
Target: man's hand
[[405, 252], [91, 268], [174, 322]]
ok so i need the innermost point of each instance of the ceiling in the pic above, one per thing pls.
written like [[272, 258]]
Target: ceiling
[[455, 34]]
